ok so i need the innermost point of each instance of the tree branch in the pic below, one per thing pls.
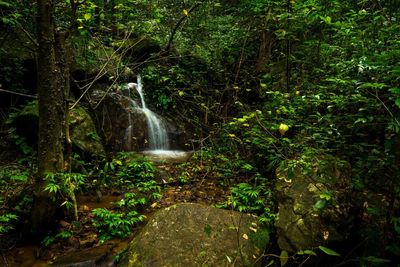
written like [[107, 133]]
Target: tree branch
[[16, 93], [171, 38]]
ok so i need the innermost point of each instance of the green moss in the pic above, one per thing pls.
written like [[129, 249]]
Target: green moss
[[260, 238]]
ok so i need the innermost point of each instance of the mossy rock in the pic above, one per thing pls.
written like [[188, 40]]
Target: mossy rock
[[189, 234], [305, 220], [83, 133], [82, 130]]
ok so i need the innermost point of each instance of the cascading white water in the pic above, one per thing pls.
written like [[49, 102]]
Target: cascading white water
[[158, 137]]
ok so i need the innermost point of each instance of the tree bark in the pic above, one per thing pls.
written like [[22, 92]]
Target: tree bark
[[51, 97], [265, 50]]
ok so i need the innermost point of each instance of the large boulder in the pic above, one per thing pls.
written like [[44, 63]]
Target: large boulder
[[121, 126], [83, 133], [191, 234], [85, 141], [311, 211]]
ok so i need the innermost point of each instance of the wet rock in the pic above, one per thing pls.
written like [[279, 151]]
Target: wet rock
[[122, 125], [97, 256], [119, 126], [88, 240], [310, 209], [189, 234]]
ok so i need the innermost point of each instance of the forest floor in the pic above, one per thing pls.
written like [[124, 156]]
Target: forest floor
[[199, 188]]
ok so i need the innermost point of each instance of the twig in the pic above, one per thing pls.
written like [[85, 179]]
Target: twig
[[171, 38], [265, 129], [242, 54], [4, 260], [102, 72], [29, 36], [16, 93], [384, 105]]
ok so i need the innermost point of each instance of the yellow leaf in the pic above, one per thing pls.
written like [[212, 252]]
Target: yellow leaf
[[284, 257], [283, 128], [186, 12], [231, 135], [181, 93], [117, 162], [253, 229], [245, 236]]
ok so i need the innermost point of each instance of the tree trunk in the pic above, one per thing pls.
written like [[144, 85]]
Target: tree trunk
[[51, 119], [265, 50]]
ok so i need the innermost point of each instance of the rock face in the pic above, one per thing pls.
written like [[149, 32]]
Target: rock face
[[122, 127], [310, 211], [97, 256], [82, 131], [112, 118], [197, 235]]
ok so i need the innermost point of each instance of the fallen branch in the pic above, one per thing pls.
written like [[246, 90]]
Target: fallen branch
[[16, 93]]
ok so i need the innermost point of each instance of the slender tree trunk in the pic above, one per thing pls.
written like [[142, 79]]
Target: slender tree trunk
[[51, 119], [265, 50]]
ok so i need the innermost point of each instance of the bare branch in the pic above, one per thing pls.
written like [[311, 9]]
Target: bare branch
[[171, 38], [16, 93]]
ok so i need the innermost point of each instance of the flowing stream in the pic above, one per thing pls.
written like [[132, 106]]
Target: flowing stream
[[159, 143], [158, 136]]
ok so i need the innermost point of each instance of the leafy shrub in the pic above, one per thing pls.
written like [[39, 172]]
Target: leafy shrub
[[253, 199], [111, 224], [6, 221], [136, 170]]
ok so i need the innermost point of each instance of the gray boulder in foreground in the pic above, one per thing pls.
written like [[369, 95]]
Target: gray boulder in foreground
[[189, 234]]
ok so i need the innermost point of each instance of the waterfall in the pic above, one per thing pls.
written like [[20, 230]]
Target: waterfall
[[158, 137]]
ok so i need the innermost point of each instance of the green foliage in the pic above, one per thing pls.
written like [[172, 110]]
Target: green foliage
[[48, 240], [6, 221], [11, 174], [29, 110], [329, 251], [252, 199], [260, 238], [236, 72], [119, 224], [113, 224], [64, 186], [131, 201], [137, 170], [12, 178], [51, 239]]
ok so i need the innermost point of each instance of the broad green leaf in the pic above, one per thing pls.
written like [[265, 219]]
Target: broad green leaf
[[325, 195], [87, 16], [329, 251], [397, 102], [372, 259], [284, 257], [373, 85], [307, 252], [4, 3], [395, 90], [320, 204]]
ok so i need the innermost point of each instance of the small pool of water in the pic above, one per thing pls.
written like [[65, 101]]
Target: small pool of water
[[168, 155]]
